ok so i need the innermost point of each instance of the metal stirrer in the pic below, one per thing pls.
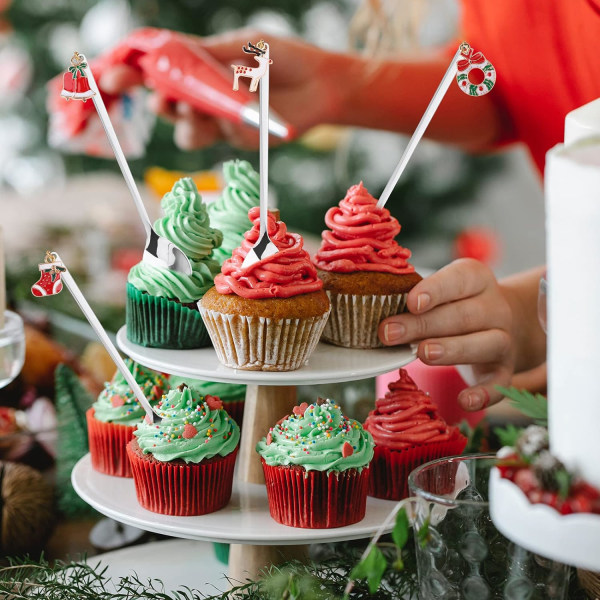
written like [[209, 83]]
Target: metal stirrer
[[264, 247], [68, 280], [422, 126], [159, 251]]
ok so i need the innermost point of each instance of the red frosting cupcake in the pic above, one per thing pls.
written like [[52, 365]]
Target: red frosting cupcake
[[366, 274], [268, 316], [408, 432]]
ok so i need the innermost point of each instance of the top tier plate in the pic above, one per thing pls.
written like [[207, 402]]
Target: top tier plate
[[327, 364]]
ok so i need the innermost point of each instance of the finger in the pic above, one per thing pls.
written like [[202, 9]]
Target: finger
[[485, 394], [482, 347], [194, 130], [120, 78], [456, 318], [462, 278]]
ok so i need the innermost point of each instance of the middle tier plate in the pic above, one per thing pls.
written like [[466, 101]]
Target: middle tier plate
[[245, 520], [327, 364]]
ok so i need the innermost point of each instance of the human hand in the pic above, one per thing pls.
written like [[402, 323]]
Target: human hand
[[461, 315], [305, 89]]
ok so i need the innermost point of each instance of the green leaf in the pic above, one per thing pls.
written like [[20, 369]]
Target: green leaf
[[398, 564], [423, 533], [400, 531], [508, 435], [563, 478], [371, 568], [535, 407]]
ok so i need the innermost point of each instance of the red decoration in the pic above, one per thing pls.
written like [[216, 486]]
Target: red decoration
[[49, 282], [347, 450], [269, 439], [300, 410], [157, 392], [117, 401], [189, 431], [213, 402], [479, 243]]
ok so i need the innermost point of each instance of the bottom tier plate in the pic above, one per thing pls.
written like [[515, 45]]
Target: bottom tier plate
[[570, 539], [245, 520]]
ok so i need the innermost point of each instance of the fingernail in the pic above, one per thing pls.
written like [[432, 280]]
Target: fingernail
[[475, 401], [434, 351], [423, 301], [394, 332]]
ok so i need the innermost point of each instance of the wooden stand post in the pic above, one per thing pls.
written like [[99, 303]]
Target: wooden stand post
[[265, 405]]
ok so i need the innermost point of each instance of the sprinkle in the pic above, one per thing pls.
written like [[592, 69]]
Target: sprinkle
[[189, 431], [117, 401], [269, 439], [347, 450]]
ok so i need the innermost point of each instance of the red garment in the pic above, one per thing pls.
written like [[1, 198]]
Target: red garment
[[547, 57]]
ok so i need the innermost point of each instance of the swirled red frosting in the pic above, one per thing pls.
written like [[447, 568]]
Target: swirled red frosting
[[361, 237], [406, 416], [287, 273]]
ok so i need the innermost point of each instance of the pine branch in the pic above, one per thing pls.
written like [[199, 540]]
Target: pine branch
[[535, 407]]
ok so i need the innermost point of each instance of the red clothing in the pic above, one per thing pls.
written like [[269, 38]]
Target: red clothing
[[547, 57]]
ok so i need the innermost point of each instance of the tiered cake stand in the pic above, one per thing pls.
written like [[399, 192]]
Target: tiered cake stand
[[257, 540]]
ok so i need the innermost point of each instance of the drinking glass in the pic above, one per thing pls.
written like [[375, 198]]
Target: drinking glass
[[12, 347], [465, 557]]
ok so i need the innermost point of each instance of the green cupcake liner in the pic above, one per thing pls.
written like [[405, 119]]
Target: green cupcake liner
[[157, 322]]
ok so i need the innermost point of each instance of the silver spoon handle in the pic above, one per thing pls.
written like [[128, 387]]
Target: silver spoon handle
[[72, 286], [116, 147], [420, 130]]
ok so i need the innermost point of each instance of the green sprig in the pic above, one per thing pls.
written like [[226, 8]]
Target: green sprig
[[533, 406]]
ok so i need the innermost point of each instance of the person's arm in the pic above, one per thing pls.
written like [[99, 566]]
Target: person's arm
[[462, 315], [310, 86]]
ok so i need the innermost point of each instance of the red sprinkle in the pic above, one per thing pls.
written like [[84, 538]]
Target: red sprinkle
[[214, 402], [117, 401], [300, 410], [269, 439]]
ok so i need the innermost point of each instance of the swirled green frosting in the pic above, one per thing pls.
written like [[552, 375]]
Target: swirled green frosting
[[185, 223], [228, 392], [319, 437], [229, 213], [189, 429], [117, 402]]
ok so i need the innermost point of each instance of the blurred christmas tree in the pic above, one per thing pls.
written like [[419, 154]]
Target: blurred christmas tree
[[308, 176]]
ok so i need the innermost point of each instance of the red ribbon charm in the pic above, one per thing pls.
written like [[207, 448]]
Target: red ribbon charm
[[471, 58]]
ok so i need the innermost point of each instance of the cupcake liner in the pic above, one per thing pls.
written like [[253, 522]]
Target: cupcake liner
[[108, 442], [180, 489], [157, 322], [390, 468], [355, 318], [315, 499], [262, 343]]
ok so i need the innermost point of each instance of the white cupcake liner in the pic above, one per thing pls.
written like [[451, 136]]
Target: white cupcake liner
[[355, 318], [262, 343]]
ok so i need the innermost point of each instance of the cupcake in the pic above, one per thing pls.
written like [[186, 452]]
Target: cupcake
[[408, 432], [365, 273], [316, 465], [268, 316], [229, 213], [183, 465], [162, 304], [233, 395], [112, 419]]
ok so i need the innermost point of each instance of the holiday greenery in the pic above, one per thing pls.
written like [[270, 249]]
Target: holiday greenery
[[72, 400]]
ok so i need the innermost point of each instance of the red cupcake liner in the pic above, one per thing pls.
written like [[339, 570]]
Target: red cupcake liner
[[235, 410], [180, 489], [314, 499], [390, 468], [108, 443]]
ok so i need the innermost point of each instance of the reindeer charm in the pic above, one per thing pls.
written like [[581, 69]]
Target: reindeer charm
[[261, 55]]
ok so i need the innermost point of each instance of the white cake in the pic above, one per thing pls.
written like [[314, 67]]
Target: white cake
[[573, 260]]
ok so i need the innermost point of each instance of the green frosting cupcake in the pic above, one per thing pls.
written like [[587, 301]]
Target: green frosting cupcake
[[117, 402], [192, 429], [185, 223], [230, 212], [317, 437], [227, 392]]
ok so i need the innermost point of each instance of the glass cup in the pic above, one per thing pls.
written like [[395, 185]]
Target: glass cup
[[465, 557], [12, 347]]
